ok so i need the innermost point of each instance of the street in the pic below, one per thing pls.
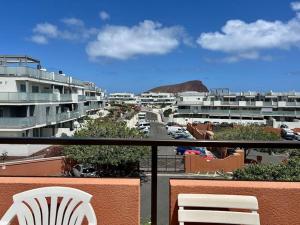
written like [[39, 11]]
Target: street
[[158, 131]]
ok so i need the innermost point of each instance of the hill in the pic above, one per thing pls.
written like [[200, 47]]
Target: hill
[[193, 85]]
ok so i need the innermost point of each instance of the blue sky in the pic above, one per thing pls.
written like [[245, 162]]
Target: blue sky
[[136, 45]]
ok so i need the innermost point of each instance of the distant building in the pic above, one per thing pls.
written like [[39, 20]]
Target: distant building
[[123, 98], [272, 108], [152, 98], [38, 103]]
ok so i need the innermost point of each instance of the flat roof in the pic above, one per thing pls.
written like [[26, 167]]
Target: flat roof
[[18, 59]]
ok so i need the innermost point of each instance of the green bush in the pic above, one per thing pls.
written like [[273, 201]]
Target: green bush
[[167, 112], [288, 171]]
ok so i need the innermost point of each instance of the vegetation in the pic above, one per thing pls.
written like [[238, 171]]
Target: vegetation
[[287, 171], [167, 112], [108, 160], [249, 132]]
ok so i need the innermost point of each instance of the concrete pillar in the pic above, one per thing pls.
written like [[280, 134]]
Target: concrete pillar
[[63, 89], [28, 111], [27, 86]]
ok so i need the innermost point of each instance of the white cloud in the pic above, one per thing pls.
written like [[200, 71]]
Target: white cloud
[[74, 30], [47, 29], [73, 21], [240, 38], [148, 37], [39, 39], [104, 15], [295, 6]]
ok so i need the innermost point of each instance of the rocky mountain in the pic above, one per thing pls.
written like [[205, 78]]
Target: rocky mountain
[[193, 85]]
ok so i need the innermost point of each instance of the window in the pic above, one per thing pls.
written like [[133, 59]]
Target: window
[[35, 89], [31, 110], [22, 88], [47, 111]]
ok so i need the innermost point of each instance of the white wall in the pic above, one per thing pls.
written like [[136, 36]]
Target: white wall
[[8, 84]]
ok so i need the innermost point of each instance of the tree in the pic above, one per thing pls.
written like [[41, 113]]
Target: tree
[[167, 112], [108, 160], [248, 132], [287, 171]]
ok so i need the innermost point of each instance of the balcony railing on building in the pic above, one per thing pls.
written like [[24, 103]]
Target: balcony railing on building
[[23, 71]]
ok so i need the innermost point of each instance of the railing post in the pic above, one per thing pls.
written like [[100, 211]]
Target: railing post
[[154, 186]]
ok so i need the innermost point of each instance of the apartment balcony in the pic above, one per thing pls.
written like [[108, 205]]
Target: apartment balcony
[[91, 98], [119, 201], [67, 116], [17, 122], [23, 71], [239, 112], [23, 97], [81, 98]]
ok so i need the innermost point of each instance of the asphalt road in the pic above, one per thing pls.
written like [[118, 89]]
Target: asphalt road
[[157, 131]]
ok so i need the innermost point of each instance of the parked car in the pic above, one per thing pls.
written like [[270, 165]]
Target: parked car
[[297, 136], [173, 129], [143, 125], [170, 124], [287, 134], [181, 149], [81, 170], [183, 136]]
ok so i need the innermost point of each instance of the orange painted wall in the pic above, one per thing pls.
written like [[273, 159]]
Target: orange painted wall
[[278, 201], [38, 167], [115, 201], [195, 164]]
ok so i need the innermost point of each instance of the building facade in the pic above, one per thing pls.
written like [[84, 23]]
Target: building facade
[[38, 103], [152, 98], [123, 98], [271, 108]]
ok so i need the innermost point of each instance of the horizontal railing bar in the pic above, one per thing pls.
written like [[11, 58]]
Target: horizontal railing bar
[[148, 142]]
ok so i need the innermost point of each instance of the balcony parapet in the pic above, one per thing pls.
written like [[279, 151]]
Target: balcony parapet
[[278, 201], [23, 71], [108, 195], [19, 97]]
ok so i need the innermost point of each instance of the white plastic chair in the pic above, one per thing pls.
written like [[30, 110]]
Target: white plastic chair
[[51, 206], [214, 215]]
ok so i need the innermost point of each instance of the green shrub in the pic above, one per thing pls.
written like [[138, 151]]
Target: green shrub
[[287, 171], [167, 112]]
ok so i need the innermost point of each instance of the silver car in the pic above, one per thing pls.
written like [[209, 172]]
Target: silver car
[[81, 170]]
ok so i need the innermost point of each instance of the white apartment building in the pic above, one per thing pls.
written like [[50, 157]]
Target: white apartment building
[[271, 108], [152, 98], [38, 103], [123, 98]]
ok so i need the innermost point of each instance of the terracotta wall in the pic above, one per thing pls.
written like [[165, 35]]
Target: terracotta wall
[[54, 166], [200, 131], [195, 164], [278, 201], [115, 201]]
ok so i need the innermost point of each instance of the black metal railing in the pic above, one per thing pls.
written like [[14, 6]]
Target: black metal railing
[[154, 150]]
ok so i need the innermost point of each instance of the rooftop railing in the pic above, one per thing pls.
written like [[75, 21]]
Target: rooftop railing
[[38, 74], [154, 150]]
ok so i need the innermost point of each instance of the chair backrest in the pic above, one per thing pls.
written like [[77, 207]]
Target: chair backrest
[[213, 215], [51, 206]]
